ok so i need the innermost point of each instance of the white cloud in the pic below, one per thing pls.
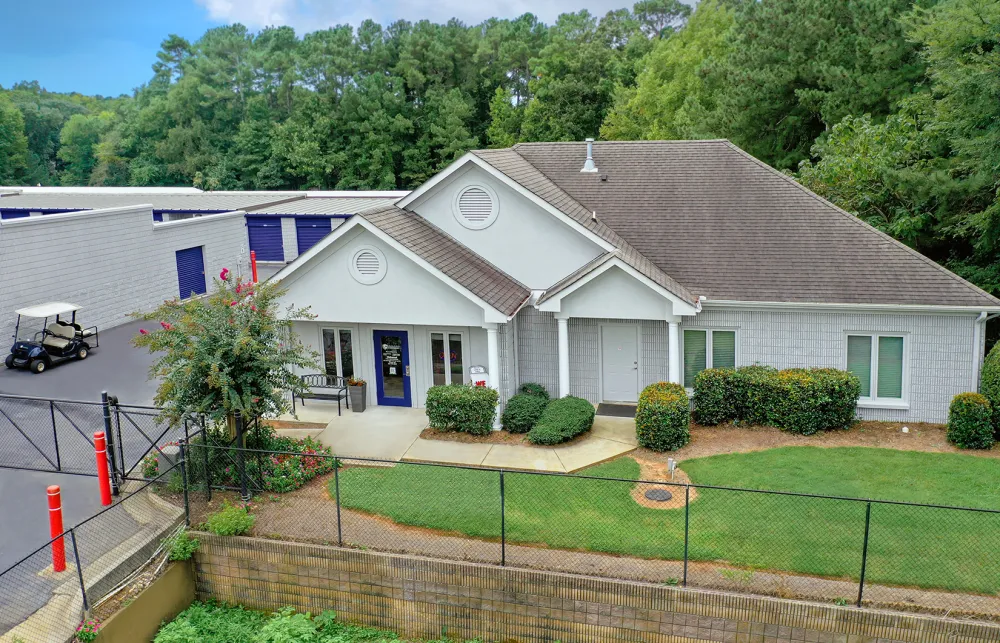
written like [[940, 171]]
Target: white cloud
[[310, 15]]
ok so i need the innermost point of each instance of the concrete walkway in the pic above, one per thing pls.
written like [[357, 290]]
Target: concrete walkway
[[392, 433]]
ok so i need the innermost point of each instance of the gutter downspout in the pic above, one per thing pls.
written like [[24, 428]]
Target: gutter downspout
[[977, 342]]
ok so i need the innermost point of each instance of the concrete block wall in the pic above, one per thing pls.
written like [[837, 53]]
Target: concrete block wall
[[428, 598], [111, 262]]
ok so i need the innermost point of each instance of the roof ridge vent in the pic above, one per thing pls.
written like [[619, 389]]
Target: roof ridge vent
[[589, 166]]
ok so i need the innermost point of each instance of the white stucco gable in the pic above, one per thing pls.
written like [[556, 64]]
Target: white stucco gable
[[528, 239]]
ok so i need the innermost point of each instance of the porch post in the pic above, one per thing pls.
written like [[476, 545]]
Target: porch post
[[674, 352], [563, 323], [493, 363]]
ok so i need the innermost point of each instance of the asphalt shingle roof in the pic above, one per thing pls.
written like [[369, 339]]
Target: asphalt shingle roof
[[728, 227], [457, 261]]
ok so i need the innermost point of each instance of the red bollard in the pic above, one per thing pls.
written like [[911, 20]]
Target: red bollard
[[56, 529], [253, 265], [103, 479]]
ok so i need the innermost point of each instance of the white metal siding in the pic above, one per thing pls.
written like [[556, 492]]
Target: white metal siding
[[538, 349]]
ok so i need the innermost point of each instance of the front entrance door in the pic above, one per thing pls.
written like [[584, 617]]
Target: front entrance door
[[392, 368], [620, 363]]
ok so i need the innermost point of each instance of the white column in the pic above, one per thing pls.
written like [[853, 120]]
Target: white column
[[493, 363], [563, 323], [674, 352]]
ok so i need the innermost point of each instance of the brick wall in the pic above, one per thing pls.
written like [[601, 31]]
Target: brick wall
[[421, 597]]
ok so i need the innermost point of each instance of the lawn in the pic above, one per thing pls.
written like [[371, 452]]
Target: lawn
[[937, 548]]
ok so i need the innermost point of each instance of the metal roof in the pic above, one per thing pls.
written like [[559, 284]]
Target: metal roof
[[202, 202], [329, 205], [38, 189]]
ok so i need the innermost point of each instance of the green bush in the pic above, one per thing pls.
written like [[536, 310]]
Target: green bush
[[799, 400], [714, 397], [522, 412], [970, 421], [562, 420], [231, 520], [663, 417], [181, 546], [531, 388], [460, 407], [989, 385]]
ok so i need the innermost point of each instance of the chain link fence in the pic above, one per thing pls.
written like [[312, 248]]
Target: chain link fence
[[929, 558], [38, 604]]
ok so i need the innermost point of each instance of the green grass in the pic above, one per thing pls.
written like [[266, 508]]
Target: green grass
[[937, 548]]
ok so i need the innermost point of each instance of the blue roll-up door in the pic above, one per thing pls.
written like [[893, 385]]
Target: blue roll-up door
[[265, 238], [191, 271], [310, 230], [158, 216], [13, 214]]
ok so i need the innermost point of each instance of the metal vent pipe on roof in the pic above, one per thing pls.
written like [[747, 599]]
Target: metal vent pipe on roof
[[589, 166]]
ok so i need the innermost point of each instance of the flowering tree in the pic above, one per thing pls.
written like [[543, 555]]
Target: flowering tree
[[229, 354]]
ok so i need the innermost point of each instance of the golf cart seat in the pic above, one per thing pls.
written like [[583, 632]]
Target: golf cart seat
[[58, 336]]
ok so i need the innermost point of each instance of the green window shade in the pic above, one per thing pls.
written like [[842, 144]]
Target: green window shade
[[723, 349], [889, 379], [695, 349], [859, 361]]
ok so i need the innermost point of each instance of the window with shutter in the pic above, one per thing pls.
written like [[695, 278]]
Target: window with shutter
[[695, 358], [723, 349], [859, 361], [890, 368], [879, 362]]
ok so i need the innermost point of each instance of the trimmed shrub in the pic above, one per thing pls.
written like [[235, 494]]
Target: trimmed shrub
[[460, 407], [714, 399], [231, 520], [531, 388], [970, 421], [799, 400], [181, 545], [989, 385], [562, 420], [522, 412], [663, 417]]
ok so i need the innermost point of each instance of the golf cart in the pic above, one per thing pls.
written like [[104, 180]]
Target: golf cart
[[37, 347]]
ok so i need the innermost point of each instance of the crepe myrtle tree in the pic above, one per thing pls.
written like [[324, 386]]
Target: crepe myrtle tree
[[230, 354]]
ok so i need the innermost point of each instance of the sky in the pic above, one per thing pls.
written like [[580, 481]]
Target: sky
[[108, 47]]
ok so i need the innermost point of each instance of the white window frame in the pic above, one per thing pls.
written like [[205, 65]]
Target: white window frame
[[709, 357], [340, 354], [873, 401], [465, 353]]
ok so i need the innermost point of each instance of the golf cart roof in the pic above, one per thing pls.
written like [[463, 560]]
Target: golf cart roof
[[50, 309]]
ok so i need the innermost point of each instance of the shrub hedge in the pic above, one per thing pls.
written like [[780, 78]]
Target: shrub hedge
[[989, 385], [231, 520], [522, 412], [970, 421], [799, 400], [460, 407], [562, 420], [663, 417], [531, 388]]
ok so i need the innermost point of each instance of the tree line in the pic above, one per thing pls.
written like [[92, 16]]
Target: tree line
[[890, 108]]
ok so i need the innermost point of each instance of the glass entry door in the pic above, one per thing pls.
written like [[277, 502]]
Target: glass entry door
[[392, 368]]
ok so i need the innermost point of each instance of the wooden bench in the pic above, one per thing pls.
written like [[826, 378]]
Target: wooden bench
[[324, 387]]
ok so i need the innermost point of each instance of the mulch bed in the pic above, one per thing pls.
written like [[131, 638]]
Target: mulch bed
[[493, 437]]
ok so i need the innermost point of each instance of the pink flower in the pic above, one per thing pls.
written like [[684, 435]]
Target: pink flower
[[232, 303], [253, 308], [166, 326], [143, 331], [224, 275]]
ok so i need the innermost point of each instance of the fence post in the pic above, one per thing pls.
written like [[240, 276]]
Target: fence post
[[241, 465], [503, 524], [208, 470], [79, 573], [118, 436], [687, 522], [864, 551], [106, 406], [184, 479], [55, 434], [336, 489]]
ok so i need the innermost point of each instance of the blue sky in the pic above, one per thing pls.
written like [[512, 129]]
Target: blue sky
[[108, 46]]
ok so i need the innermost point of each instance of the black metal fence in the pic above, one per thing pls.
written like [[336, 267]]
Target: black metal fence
[[898, 555], [39, 604]]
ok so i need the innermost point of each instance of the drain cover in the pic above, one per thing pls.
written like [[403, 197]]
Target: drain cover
[[659, 495]]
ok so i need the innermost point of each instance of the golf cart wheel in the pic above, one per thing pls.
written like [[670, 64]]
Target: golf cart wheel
[[9, 362], [82, 353], [37, 366]]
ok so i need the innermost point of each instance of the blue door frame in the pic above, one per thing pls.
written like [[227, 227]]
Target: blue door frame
[[386, 359]]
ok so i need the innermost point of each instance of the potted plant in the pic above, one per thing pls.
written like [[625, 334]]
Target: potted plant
[[358, 390]]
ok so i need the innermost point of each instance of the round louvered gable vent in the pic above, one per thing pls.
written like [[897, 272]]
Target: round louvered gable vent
[[368, 265], [476, 207]]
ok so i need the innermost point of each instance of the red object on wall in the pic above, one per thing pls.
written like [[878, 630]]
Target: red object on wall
[[103, 478], [253, 265], [56, 529]]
